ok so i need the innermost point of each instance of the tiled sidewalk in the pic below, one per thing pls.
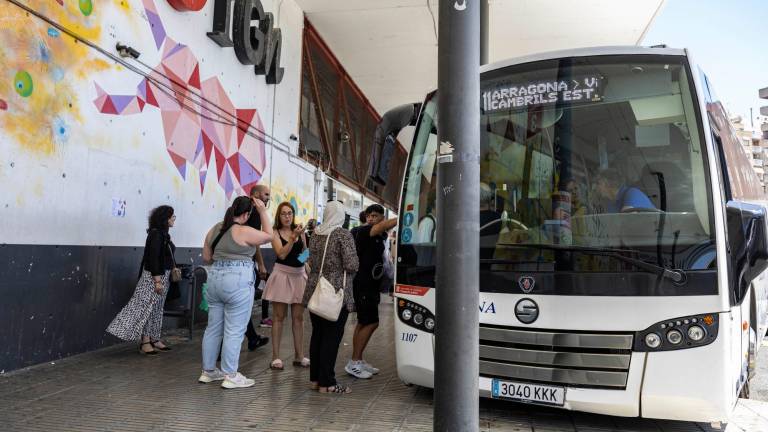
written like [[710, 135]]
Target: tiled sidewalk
[[116, 389]]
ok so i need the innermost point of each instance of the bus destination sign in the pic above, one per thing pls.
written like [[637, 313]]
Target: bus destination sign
[[506, 97]]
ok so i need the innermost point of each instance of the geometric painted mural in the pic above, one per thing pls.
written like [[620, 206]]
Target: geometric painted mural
[[200, 122]]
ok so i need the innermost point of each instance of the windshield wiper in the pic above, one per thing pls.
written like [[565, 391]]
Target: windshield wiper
[[677, 276]]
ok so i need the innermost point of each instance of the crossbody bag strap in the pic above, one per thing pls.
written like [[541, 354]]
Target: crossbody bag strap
[[218, 238], [322, 262], [173, 258]]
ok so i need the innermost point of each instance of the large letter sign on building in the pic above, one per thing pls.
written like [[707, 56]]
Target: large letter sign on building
[[257, 46]]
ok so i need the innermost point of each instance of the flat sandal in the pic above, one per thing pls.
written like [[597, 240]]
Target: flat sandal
[[165, 348], [153, 352], [340, 389]]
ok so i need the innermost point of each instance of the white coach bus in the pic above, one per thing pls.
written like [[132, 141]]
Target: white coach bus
[[623, 239]]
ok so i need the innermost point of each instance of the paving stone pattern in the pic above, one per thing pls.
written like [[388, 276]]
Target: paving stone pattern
[[117, 389]]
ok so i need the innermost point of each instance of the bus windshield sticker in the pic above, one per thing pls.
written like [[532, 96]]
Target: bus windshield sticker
[[510, 96]]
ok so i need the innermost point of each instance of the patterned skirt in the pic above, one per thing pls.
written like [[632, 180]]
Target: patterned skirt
[[143, 315]]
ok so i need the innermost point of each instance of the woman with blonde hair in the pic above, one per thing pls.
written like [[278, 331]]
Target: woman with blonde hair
[[285, 285]]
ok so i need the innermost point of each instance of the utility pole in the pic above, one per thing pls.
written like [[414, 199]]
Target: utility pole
[[458, 230]]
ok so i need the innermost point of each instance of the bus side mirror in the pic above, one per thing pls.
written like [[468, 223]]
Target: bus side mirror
[[385, 139], [748, 241]]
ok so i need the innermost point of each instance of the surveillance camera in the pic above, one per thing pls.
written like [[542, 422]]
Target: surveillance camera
[[126, 51]]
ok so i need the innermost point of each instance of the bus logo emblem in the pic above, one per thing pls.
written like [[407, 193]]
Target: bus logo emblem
[[526, 284], [526, 311]]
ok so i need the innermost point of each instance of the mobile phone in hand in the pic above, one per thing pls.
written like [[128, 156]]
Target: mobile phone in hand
[[304, 256]]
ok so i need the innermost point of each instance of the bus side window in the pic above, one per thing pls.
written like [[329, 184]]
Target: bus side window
[[725, 187]]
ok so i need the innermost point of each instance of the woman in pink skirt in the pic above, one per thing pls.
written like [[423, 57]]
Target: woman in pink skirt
[[286, 283]]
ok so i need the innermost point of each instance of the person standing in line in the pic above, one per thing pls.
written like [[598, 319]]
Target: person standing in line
[[142, 318], [388, 274], [338, 264], [230, 246], [262, 193], [311, 225], [370, 246], [362, 223], [286, 283]]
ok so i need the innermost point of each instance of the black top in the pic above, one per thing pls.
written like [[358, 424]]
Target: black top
[[356, 230], [158, 256], [254, 221], [292, 260], [370, 251]]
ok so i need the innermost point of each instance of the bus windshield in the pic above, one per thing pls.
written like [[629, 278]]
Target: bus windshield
[[578, 156]]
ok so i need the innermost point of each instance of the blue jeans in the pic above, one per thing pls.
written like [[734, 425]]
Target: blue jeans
[[230, 300]]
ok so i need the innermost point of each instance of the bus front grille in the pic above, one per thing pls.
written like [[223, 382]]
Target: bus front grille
[[575, 359]]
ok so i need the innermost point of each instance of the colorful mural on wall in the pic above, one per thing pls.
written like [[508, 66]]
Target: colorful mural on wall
[[282, 191], [199, 119], [78, 125], [39, 105]]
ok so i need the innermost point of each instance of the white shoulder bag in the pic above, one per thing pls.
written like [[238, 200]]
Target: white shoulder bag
[[326, 302]]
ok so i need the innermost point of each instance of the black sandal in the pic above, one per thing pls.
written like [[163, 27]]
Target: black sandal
[[336, 389], [165, 348], [153, 352]]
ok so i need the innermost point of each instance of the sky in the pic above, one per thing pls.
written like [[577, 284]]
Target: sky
[[728, 40]]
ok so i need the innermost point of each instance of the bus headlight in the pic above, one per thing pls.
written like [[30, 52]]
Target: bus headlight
[[415, 315], [696, 333], [674, 337], [678, 333], [652, 340]]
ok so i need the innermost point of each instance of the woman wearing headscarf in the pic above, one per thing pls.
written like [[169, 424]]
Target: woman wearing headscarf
[[339, 265]]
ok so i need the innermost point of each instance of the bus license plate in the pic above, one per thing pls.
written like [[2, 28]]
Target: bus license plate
[[541, 394]]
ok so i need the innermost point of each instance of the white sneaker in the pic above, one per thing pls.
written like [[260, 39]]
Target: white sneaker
[[369, 367], [237, 381], [357, 370], [214, 375]]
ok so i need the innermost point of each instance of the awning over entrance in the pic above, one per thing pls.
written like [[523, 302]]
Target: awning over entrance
[[389, 47]]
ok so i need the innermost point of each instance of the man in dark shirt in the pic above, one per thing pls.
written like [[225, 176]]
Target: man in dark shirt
[[254, 339], [369, 241], [357, 228]]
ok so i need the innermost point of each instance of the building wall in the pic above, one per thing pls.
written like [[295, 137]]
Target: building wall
[[89, 146]]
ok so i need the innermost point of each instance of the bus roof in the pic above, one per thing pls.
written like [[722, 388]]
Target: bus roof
[[583, 52]]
